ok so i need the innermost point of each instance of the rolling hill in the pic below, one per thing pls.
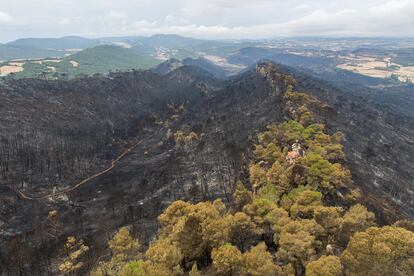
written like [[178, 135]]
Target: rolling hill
[[99, 59], [102, 59], [64, 43], [10, 52], [38, 48]]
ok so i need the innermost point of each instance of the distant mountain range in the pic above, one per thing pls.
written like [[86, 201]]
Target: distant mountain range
[[67, 42], [34, 48], [71, 56]]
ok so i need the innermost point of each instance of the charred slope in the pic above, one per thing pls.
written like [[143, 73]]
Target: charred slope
[[60, 128], [196, 76], [197, 137], [54, 134]]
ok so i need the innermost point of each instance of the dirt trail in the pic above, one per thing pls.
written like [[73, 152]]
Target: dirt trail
[[23, 195]]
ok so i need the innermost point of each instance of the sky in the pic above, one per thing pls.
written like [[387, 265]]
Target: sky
[[214, 19]]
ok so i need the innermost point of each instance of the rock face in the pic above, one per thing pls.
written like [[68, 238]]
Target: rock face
[[124, 108], [296, 152]]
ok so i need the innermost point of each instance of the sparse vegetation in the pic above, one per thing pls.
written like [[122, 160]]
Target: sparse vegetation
[[75, 250], [183, 138]]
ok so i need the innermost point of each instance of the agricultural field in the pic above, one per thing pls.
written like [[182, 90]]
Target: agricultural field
[[7, 68], [378, 68]]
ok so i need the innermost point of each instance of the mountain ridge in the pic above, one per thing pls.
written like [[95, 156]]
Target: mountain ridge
[[197, 141]]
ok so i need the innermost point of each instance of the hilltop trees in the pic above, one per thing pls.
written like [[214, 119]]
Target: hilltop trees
[[325, 266], [357, 219], [165, 254], [241, 197], [259, 262], [227, 260], [74, 250], [122, 244], [124, 248], [242, 229], [380, 251]]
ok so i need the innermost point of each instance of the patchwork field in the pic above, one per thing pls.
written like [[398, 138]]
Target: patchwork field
[[377, 68], [12, 67]]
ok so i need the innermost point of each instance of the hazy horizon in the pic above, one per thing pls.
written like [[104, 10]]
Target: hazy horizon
[[313, 37], [216, 19]]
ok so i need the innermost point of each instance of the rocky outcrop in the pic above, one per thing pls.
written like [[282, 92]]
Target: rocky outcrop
[[296, 152]]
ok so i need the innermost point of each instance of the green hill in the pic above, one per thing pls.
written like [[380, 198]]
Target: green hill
[[100, 59], [63, 43], [11, 52]]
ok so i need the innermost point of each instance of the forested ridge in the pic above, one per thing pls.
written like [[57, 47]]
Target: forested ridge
[[297, 213]]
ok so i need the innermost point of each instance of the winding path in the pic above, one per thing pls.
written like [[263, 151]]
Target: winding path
[[23, 195]]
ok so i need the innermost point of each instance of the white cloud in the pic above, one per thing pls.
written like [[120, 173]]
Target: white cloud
[[144, 24], [170, 19], [65, 21], [209, 19], [5, 18], [117, 15]]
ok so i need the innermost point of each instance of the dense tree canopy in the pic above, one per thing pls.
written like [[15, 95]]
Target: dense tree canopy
[[325, 266], [380, 251]]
